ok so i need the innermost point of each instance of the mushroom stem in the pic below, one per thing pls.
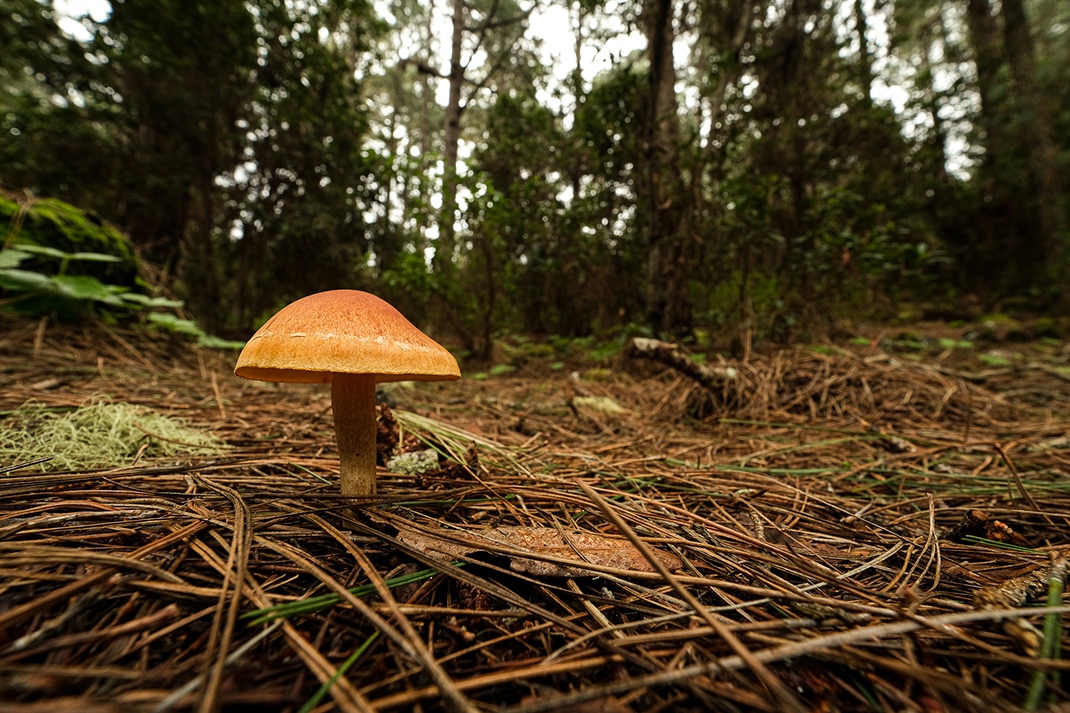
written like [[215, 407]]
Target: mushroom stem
[[353, 400]]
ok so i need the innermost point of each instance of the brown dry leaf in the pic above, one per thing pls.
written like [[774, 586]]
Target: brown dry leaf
[[608, 704], [545, 541]]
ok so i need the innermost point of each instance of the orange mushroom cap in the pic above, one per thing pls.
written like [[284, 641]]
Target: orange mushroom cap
[[343, 331]]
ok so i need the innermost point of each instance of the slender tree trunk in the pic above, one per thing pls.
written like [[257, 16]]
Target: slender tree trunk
[[930, 35], [427, 96], [445, 246], [388, 243], [984, 36], [1038, 139], [576, 169], [668, 272], [200, 265], [987, 257], [865, 59], [733, 31], [427, 132]]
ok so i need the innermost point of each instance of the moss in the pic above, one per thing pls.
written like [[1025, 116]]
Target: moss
[[1048, 328], [55, 224], [998, 328]]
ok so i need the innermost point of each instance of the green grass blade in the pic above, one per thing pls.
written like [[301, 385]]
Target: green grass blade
[[346, 665], [314, 604], [1053, 634]]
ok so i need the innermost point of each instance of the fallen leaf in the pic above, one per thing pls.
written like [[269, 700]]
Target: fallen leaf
[[608, 704], [543, 541]]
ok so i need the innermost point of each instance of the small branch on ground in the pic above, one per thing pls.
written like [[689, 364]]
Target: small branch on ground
[[674, 356]]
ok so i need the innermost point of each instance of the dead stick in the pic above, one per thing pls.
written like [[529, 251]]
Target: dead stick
[[1017, 477], [782, 697], [674, 356], [17, 614], [421, 653], [413, 646]]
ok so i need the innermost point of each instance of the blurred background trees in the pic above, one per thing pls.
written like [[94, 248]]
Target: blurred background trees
[[757, 167]]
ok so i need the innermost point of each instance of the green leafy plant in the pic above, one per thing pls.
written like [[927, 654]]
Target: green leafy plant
[[35, 293], [946, 343], [38, 292], [994, 360]]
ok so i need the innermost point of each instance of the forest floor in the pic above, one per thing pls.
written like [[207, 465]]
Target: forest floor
[[874, 526]]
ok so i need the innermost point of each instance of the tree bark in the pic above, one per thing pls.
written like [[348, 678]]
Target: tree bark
[[984, 36], [445, 245], [930, 34], [730, 32], [865, 59], [668, 298], [1038, 138]]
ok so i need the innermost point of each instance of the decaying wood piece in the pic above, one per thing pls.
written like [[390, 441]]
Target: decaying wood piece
[[672, 355], [1015, 592]]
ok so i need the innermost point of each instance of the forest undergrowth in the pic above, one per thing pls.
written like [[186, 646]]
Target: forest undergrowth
[[830, 530]]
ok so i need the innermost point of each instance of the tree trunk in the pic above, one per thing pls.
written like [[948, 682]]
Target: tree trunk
[[931, 34], [1041, 150], [444, 247], [576, 168], [668, 298], [984, 36], [865, 59], [730, 32]]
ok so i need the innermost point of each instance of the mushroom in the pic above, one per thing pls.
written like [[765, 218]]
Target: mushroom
[[351, 340]]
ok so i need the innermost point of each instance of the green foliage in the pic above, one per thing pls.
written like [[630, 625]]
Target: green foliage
[[193, 125], [235, 142], [73, 296], [188, 328], [64, 239], [38, 293], [49, 287], [994, 360]]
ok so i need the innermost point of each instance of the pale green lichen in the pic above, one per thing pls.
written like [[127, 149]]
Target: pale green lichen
[[98, 435], [414, 462]]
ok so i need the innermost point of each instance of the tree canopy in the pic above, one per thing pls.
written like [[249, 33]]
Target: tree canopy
[[758, 167]]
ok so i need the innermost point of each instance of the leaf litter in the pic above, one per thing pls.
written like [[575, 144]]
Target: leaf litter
[[813, 562]]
